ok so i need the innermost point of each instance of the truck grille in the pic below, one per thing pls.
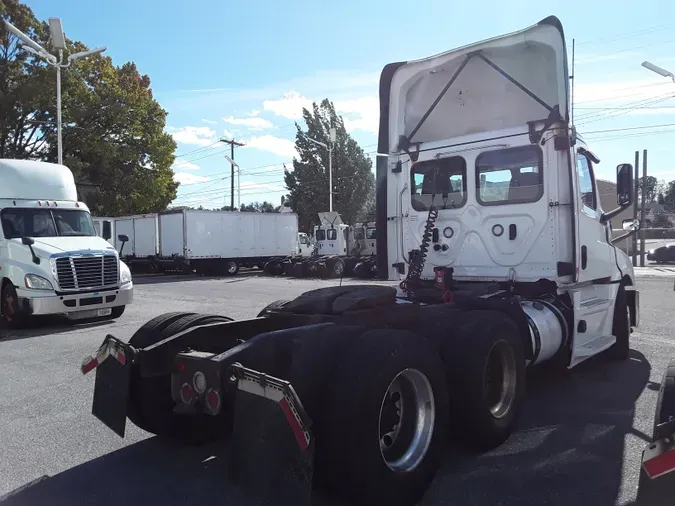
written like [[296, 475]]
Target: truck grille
[[84, 272]]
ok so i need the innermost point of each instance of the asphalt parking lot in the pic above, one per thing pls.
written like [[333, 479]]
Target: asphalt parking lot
[[579, 440]]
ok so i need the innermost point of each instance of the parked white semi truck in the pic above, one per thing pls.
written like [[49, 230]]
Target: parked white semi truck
[[489, 217], [51, 259]]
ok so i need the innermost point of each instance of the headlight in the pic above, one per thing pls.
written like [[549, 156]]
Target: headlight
[[125, 274], [35, 282]]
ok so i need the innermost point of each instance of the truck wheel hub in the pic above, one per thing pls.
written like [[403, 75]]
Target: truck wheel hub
[[500, 379], [406, 420]]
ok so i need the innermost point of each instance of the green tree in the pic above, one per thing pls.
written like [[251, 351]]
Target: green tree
[[113, 129], [307, 184], [648, 190], [260, 207]]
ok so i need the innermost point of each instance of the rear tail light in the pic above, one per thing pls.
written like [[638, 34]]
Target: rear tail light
[[187, 394], [212, 402]]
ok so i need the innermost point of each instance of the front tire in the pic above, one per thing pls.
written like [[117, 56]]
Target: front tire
[[621, 327], [117, 311], [382, 433], [12, 315]]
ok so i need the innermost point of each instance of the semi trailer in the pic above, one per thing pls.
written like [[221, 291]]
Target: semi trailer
[[51, 258], [494, 255], [208, 242]]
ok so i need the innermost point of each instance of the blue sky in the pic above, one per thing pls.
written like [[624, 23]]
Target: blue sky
[[223, 68]]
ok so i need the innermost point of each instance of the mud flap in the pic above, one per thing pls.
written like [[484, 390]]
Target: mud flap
[[111, 388], [272, 449], [657, 479]]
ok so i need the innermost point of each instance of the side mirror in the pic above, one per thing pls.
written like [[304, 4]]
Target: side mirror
[[27, 241], [123, 238], [624, 184], [631, 224], [107, 230]]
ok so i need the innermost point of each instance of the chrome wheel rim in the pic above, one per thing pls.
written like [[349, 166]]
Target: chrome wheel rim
[[500, 379], [406, 420]]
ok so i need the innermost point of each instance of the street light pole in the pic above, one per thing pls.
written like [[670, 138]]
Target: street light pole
[[58, 110], [59, 43], [333, 136]]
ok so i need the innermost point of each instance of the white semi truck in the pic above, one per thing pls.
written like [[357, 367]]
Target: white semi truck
[[488, 219], [51, 259]]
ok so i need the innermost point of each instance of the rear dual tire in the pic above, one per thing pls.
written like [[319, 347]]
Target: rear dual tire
[[382, 429]]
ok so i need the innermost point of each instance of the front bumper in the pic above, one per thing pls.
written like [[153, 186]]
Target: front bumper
[[35, 302]]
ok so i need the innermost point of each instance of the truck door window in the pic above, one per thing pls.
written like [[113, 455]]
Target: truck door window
[[445, 178], [510, 176], [370, 233], [358, 234], [586, 181], [331, 234], [320, 234]]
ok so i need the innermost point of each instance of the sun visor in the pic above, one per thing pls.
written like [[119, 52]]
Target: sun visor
[[501, 83]]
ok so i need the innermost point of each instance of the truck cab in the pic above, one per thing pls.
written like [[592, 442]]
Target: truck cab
[[484, 175], [305, 247], [363, 239], [52, 261], [332, 235]]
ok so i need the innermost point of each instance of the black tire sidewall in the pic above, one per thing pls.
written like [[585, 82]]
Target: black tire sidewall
[[348, 433], [466, 356], [620, 326], [18, 319]]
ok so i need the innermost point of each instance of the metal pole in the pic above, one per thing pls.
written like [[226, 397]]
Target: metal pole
[[642, 210], [232, 175], [635, 205], [330, 177], [58, 110]]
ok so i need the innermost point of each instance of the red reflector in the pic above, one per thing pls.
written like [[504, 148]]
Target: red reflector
[[662, 464], [295, 425], [213, 401], [186, 394], [180, 367]]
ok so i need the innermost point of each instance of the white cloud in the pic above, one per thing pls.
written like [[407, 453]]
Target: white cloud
[[272, 144], [290, 106], [188, 178], [252, 123], [227, 133], [199, 136], [254, 113], [184, 165], [360, 114], [209, 121]]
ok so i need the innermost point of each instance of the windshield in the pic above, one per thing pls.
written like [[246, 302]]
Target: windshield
[[18, 223]]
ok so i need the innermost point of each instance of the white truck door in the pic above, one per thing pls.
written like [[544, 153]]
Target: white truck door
[[594, 298], [595, 259]]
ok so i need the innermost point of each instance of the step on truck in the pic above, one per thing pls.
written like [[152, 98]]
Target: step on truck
[[52, 261], [489, 221]]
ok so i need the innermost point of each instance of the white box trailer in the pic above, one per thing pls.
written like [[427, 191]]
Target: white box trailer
[[219, 242], [142, 231]]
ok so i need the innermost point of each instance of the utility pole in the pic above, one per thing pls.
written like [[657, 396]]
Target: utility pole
[[232, 144], [635, 205], [642, 208]]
